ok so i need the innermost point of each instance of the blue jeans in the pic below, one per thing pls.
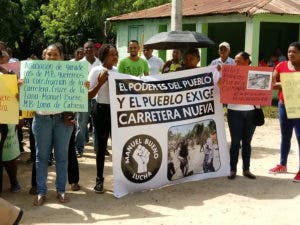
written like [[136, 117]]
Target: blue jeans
[[51, 132], [82, 119], [241, 129], [286, 128]]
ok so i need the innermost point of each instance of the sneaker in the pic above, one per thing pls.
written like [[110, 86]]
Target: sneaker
[[99, 187], [15, 188], [278, 169], [297, 177]]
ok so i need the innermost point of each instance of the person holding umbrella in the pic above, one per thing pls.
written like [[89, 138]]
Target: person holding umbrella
[[191, 58], [174, 63]]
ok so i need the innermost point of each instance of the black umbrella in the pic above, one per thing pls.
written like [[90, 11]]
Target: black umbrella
[[178, 40]]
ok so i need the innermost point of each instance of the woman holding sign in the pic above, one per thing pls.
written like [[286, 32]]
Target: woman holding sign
[[51, 130], [98, 77], [241, 127], [286, 125]]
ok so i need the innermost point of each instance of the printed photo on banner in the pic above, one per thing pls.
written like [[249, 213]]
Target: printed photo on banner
[[9, 105], [291, 85], [54, 86], [192, 149], [170, 129], [249, 85], [259, 80]]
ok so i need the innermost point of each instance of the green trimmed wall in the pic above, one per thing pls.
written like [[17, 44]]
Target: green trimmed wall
[[260, 33]]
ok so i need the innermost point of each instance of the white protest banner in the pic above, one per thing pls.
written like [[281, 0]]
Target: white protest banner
[[54, 86], [166, 129]]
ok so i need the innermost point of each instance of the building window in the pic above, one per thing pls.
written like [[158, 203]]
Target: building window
[[136, 32]]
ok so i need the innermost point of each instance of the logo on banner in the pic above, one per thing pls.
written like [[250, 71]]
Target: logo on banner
[[141, 158]]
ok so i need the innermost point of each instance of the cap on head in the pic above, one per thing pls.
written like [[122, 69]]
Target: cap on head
[[225, 44]]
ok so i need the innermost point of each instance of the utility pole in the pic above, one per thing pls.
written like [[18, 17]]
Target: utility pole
[[176, 15]]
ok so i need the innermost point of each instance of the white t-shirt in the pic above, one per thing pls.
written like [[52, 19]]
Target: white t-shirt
[[155, 65], [97, 62], [103, 93]]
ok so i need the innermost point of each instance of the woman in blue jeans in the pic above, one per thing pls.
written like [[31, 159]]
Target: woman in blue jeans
[[287, 125], [241, 127], [51, 130]]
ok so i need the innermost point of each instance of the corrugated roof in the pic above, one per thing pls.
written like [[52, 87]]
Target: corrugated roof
[[210, 7]]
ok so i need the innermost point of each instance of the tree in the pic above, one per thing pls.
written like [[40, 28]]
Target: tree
[[20, 26], [29, 25], [84, 19]]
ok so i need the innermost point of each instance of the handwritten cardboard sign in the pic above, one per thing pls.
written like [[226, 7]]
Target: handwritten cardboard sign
[[54, 86], [9, 106], [27, 114], [11, 148], [291, 85], [247, 85]]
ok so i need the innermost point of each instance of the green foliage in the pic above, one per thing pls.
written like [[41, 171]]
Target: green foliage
[[29, 25]]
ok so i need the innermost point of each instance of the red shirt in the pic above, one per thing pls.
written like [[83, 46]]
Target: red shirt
[[282, 67]]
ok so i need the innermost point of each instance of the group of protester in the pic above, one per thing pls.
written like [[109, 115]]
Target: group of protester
[[66, 133]]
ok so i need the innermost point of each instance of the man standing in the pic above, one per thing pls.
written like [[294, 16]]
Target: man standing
[[224, 52], [83, 117], [133, 65], [155, 64]]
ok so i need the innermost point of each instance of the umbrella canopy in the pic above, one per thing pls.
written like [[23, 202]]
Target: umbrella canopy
[[178, 40]]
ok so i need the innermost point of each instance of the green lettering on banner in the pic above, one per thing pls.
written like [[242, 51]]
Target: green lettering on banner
[[54, 86]]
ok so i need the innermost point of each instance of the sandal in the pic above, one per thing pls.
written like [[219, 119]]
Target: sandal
[[62, 197], [39, 200]]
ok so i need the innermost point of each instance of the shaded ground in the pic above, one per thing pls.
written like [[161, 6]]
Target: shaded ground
[[271, 199]]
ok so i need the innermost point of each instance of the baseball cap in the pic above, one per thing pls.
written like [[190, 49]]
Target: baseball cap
[[225, 44]]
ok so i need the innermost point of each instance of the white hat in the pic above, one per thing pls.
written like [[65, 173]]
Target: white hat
[[225, 44]]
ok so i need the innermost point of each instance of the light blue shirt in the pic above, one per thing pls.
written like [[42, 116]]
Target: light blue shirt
[[229, 61]]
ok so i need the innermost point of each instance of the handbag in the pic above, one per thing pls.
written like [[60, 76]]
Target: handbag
[[259, 117]]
